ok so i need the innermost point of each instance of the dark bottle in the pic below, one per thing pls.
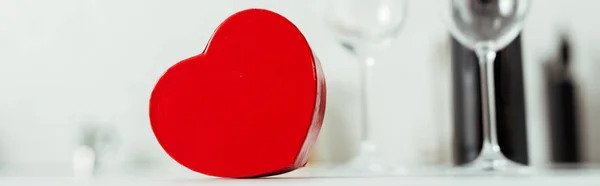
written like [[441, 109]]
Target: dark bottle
[[561, 91], [510, 103]]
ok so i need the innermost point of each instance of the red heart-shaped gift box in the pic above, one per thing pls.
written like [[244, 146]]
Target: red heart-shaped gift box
[[250, 105]]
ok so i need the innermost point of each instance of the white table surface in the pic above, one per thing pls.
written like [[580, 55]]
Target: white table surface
[[399, 181], [316, 178]]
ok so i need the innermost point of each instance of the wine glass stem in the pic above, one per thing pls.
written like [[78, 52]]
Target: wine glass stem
[[364, 69], [486, 63]]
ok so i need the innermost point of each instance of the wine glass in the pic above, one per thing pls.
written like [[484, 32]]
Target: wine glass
[[486, 26], [364, 27]]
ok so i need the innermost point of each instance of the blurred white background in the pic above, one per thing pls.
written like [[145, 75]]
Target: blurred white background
[[68, 63]]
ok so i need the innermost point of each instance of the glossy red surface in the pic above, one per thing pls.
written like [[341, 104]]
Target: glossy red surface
[[250, 105]]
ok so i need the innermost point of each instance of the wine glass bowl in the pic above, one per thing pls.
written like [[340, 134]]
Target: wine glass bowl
[[364, 23], [494, 23]]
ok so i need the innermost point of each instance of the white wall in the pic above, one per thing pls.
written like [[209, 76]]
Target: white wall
[[68, 62]]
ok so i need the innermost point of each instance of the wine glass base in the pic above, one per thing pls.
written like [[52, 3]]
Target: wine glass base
[[494, 166], [363, 166], [367, 164]]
